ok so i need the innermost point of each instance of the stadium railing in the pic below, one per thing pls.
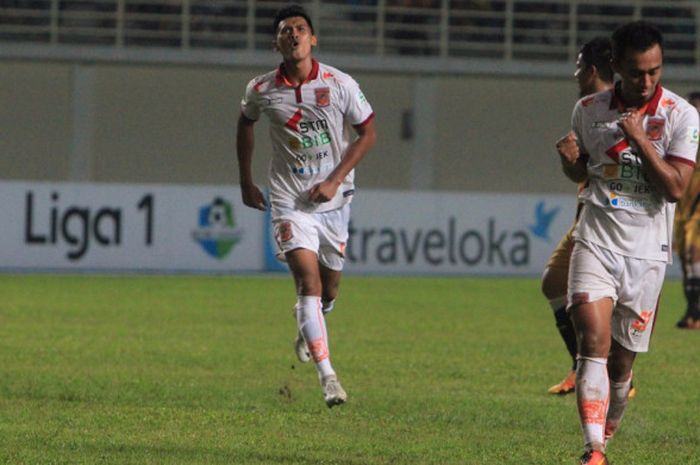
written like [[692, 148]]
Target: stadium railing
[[504, 30]]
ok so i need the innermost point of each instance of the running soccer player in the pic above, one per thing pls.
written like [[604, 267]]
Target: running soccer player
[[311, 176], [687, 242], [636, 145], [593, 74]]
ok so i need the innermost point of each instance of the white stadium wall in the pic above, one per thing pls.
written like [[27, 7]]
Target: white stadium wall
[[116, 122], [105, 132]]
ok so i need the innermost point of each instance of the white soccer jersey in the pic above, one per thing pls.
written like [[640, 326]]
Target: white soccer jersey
[[623, 211], [308, 132]]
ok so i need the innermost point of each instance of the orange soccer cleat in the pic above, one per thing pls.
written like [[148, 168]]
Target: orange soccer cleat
[[594, 457], [566, 386]]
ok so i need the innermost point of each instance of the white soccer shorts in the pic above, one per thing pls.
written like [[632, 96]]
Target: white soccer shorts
[[323, 233], [633, 284]]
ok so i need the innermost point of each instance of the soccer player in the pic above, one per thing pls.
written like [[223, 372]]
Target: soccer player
[[636, 145], [310, 106], [687, 242], [593, 74]]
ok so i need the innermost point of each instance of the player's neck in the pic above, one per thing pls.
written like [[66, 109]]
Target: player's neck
[[602, 86], [297, 72]]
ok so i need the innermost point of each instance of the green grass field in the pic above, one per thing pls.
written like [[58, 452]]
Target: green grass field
[[200, 370]]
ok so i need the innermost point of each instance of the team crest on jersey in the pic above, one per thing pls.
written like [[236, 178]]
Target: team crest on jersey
[[640, 325], [323, 96], [655, 128]]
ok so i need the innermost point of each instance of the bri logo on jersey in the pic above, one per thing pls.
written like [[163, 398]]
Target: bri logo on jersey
[[617, 201], [216, 232]]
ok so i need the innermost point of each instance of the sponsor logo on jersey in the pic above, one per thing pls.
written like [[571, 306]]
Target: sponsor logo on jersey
[[655, 128], [216, 232], [323, 96], [604, 125], [693, 135]]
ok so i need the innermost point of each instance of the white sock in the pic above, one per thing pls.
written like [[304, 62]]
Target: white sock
[[328, 306], [618, 402], [592, 395], [313, 327], [557, 302]]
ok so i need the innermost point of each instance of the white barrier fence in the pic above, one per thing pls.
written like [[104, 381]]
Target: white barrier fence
[[206, 229]]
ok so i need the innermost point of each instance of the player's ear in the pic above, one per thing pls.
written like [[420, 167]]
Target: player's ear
[[274, 45], [314, 40], [614, 66]]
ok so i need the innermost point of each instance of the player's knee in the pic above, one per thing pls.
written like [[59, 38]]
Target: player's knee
[[309, 285], [592, 344], [329, 294], [619, 369]]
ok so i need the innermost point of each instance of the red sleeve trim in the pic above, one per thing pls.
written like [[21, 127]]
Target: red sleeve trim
[[369, 118], [685, 161]]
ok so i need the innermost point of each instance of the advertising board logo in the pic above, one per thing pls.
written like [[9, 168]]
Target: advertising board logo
[[216, 231], [543, 221]]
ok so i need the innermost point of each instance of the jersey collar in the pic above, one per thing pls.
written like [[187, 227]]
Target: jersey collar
[[649, 108], [281, 76]]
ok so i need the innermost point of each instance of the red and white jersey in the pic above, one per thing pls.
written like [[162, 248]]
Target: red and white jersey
[[309, 131], [623, 211]]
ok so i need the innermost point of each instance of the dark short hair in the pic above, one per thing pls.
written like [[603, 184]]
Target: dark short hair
[[290, 12], [638, 36], [598, 52], [694, 96]]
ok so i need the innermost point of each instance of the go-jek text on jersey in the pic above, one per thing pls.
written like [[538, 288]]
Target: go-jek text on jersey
[[623, 211], [308, 131]]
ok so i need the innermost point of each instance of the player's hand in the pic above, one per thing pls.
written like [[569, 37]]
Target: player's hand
[[323, 191], [568, 148], [631, 124], [253, 197]]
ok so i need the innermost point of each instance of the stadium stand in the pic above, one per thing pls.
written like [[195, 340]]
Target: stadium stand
[[550, 30]]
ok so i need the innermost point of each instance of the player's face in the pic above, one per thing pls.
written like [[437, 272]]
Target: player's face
[[640, 73], [294, 39], [584, 77]]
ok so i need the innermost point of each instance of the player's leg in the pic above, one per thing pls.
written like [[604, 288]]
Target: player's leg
[[620, 373], [330, 280], [554, 287], [305, 267], [689, 252], [333, 235], [592, 322], [592, 293]]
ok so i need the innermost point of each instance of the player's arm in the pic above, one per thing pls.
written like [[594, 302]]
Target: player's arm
[[245, 143], [670, 176], [573, 162], [326, 190]]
